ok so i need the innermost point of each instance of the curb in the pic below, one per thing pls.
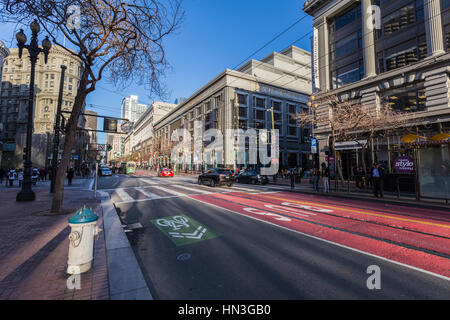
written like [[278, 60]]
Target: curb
[[126, 281], [377, 200]]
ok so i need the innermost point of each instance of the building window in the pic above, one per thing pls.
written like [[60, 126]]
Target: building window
[[292, 108], [445, 4], [260, 103], [260, 115], [242, 99], [408, 98], [348, 74], [399, 19], [276, 106], [243, 112], [347, 17], [292, 131], [346, 46]]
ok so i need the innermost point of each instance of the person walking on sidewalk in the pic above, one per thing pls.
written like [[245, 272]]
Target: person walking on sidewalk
[[20, 177], [11, 177], [70, 173], [316, 176], [292, 176], [325, 177], [2, 175], [377, 180]]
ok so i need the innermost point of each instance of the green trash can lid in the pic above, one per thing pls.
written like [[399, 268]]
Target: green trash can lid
[[83, 215]]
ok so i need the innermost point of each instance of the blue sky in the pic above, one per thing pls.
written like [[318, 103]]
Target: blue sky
[[215, 35]]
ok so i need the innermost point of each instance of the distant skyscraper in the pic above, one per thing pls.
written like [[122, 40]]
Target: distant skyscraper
[[131, 109]]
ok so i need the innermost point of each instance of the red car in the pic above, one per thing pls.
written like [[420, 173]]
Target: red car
[[166, 172]]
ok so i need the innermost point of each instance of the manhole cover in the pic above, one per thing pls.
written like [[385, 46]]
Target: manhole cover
[[184, 257]]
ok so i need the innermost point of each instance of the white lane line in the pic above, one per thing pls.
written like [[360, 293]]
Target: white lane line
[[173, 192], [123, 195], [328, 241], [151, 195], [192, 189]]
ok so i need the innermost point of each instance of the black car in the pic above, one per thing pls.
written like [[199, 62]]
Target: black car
[[215, 177], [251, 177]]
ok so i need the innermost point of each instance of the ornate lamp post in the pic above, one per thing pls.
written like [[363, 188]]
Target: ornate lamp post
[[27, 194]]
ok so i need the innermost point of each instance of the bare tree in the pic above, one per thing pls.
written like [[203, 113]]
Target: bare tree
[[350, 120], [121, 40]]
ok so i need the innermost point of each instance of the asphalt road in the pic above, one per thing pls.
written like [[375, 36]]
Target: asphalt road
[[252, 242]]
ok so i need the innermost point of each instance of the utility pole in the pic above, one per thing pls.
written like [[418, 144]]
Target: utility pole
[[57, 129]]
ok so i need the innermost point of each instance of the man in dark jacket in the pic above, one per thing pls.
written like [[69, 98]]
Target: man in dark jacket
[[377, 179], [70, 173]]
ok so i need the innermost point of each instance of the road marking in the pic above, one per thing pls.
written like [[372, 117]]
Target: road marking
[[123, 195], [192, 189], [170, 191], [151, 195], [327, 241], [182, 230], [361, 212]]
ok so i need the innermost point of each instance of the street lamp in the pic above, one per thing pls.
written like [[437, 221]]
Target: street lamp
[[26, 193]]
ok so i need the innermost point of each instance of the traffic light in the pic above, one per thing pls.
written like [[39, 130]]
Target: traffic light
[[108, 147]]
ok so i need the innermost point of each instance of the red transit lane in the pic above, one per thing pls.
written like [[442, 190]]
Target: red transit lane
[[419, 238]]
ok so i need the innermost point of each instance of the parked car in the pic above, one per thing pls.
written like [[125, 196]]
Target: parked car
[[166, 172], [215, 177], [105, 171], [251, 177]]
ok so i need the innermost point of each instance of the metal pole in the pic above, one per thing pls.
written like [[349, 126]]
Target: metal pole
[[57, 128], [96, 179], [27, 194]]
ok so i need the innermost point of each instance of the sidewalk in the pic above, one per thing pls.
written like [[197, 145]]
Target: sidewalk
[[34, 249]]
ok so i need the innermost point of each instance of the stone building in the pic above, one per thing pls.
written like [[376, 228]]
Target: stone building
[[276, 87], [396, 53], [14, 101]]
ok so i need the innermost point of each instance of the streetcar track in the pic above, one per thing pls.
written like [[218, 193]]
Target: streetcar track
[[400, 244]]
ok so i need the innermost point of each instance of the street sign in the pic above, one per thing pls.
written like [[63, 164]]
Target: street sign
[[100, 147], [313, 145], [110, 125], [126, 126], [182, 230]]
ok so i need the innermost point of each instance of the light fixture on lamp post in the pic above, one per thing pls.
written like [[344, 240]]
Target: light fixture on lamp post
[[26, 193]]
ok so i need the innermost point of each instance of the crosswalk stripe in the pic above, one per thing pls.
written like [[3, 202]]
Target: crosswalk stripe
[[192, 189], [151, 195], [169, 191], [123, 195]]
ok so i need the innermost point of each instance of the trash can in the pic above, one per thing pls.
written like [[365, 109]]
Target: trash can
[[81, 247]]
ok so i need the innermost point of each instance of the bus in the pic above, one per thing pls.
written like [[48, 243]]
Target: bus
[[131, 167]]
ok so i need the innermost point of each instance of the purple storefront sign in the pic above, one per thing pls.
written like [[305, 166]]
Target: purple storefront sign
[[404, 164]]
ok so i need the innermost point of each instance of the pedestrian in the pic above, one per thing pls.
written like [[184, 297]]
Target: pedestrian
[[11, 177], [70, 173], [292, 174], [20, 177], [325, 178], [316, 175], [377, 180], [2, 175]]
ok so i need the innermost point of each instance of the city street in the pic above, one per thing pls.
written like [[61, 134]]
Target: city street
[[265, 242]]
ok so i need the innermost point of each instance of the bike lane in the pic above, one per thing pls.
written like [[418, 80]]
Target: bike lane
[[425, 246]]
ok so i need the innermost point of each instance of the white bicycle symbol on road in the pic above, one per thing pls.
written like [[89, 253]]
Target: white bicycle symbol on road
[[176, 223]]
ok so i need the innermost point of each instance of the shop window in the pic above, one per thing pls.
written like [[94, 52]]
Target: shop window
[[409, 98], [292, 109], [292, 131]]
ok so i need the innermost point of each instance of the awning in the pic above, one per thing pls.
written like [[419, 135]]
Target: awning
[[349, 145], [409, 138], [440, 136]]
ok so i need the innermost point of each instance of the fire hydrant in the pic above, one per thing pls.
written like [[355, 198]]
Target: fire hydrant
[[81, 247]]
